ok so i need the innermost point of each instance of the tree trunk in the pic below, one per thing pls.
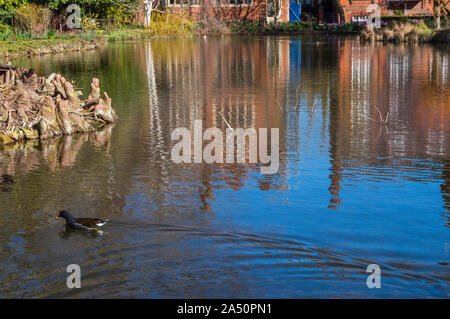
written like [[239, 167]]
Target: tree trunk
[[438, 21], [340, 11], [437, 14], [148, 8]]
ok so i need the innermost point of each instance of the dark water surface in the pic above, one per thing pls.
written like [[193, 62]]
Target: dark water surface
[[350, 191]]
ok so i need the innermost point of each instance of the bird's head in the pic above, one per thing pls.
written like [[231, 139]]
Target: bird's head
[[64, 214]]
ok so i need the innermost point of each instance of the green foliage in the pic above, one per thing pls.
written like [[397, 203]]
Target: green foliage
[[89, 22], [11, 4], [120, 10], [23, 36], [122, 13], [89, 35], [319, 27], [5, 35], [4, 27], [7, 9], [291, 27], [245, 26], [51, 34], [5, 16]]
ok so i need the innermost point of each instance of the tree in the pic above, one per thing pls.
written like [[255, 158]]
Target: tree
[[439, 8], [103, 8], [149, 6]]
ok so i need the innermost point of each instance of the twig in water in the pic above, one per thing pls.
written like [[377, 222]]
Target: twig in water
[[278, 102], [297, 103], [383, 121], [227, 125], [368, 118], [381, 117]]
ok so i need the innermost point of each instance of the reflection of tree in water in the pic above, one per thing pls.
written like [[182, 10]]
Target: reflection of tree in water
[[56, 152], [208, 80]]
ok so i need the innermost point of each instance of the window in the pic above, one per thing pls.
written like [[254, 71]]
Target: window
[[233, 2], [185, 3]]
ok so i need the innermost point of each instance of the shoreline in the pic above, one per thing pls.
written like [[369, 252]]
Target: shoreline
[[77, 42], [66, 43], [404, 33], [41, 47]]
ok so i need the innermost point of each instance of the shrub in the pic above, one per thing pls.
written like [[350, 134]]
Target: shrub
[[8, 8], [244, 26], [51, 34], [4, 27], [170, 24], [122, 11], [21, 36], [6, 16], [89, 22], [32, 18], [11, 4], [121, 14], [422, 27], [5, 35]]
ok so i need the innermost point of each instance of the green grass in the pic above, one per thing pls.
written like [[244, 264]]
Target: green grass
[[15, 45], [18, 43]]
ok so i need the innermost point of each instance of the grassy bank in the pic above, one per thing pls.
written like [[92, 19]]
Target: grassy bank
[[33, 47], [13, 43]]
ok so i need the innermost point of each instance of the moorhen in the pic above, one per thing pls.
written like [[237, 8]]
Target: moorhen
[[81, 223]]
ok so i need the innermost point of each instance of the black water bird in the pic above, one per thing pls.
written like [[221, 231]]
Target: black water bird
[[82, 223]]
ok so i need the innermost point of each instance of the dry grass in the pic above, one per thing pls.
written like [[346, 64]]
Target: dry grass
[[399, 32]]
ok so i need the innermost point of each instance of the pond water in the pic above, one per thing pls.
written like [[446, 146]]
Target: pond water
[[352, 189]]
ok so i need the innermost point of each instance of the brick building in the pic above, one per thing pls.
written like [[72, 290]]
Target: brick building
[[232, 9], [291, 10]]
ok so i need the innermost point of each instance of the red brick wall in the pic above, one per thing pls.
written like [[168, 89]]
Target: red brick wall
[[358, 7], [255, 11], [285, 10]]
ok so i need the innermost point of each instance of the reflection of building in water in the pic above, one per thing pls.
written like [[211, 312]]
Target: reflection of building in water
[[253, 84], [445, 187], [210, 79], [411, 84]]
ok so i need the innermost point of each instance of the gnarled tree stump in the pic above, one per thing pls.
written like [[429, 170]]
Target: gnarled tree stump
[[34, 107]]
